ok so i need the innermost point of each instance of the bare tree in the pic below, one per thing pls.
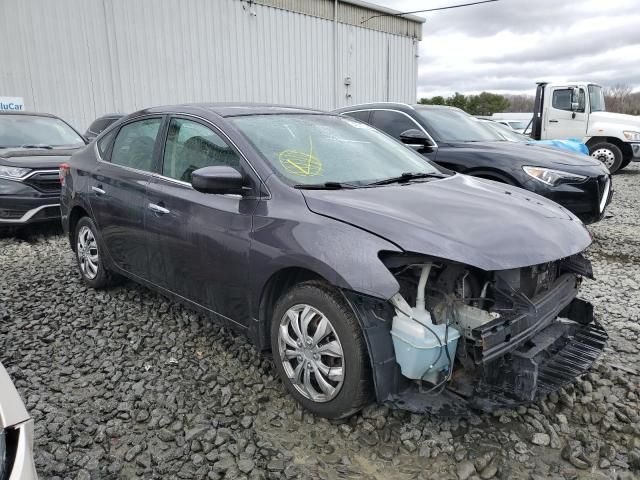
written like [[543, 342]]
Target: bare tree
[[520, 103], [617, 97]]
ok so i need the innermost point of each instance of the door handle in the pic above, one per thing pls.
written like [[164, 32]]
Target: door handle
[[98, 190], [553, 121], [158, 209]]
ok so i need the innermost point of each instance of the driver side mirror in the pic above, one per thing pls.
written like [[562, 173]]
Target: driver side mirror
[[218, 179], [415, 138], [575, 96]]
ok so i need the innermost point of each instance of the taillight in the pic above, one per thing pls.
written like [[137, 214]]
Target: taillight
[[65, 168]]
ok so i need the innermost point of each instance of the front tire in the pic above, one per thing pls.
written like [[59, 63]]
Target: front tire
[[319, 351], [609, 154], [89, 255], [625, 163]]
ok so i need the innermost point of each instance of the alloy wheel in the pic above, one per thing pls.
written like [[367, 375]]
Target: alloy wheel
[[311, 353], [605, 155], [87, 251]]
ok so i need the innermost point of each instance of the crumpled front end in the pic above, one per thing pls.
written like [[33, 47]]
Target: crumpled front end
[[519, 334]]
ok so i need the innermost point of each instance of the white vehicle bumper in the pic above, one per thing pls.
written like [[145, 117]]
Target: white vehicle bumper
[[635, 148], [16, 434]]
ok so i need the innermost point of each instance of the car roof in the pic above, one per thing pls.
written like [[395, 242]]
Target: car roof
[[403, 107], [30, 114], [234, 109]]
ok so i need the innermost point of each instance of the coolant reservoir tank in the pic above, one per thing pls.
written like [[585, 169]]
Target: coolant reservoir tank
[[418, 351]]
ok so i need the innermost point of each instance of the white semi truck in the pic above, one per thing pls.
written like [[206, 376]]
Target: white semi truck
[[577, 110]]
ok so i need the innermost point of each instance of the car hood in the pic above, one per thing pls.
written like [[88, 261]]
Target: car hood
[[473, 221], [36, 157], [621, 119], [527, 154]]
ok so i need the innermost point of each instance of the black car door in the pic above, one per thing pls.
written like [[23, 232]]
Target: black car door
[[200, 241], [117, 193]]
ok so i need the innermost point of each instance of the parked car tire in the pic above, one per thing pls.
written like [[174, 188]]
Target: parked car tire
[[89, 255], [625, 162], [607, 153], [319, 351]]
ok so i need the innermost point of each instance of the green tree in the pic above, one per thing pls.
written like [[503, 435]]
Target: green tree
[[486, 104], [437, 100], [457, 100]]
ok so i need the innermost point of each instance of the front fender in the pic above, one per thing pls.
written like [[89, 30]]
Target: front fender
[[345, 256], [605, 129]]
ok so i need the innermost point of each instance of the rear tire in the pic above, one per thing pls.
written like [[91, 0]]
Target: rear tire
[[89, 255], [609, 154], [319, 351]]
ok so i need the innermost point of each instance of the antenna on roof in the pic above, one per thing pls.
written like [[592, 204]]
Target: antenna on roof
[[427, 10]]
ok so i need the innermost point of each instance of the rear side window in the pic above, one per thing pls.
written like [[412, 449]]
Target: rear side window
[[393, 123], [190, 146], [135, 143], [362, 115], [104, 143]]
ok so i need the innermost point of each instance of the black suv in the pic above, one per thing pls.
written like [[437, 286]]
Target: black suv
[[32, 147], [100, 124], [458, 141]]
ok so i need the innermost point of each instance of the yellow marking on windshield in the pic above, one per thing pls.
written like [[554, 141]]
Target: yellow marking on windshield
[[299, 163]]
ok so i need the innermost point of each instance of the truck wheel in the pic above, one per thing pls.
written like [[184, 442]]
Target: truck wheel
[[609, 154], [319, 351], [624, 163]]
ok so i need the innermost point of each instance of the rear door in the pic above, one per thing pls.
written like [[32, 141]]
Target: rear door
[[561, 122], [200, 247], [117, 192]]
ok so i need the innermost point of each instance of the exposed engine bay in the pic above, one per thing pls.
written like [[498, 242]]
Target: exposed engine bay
[[466, 337]]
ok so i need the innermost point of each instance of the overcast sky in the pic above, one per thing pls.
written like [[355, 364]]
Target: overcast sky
[[508, 45]]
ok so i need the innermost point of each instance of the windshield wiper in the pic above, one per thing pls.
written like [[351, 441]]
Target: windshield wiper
[[325, 186], [36, 145], [405, 177]]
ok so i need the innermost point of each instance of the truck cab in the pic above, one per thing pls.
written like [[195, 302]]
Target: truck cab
[[577, 110]]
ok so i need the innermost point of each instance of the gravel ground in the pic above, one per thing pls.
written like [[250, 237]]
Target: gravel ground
[[125, 384]]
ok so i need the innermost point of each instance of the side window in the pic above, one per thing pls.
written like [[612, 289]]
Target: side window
[[562, 99], [134, 144], [362, 115], [190, 146], [393, 123], [104, 142]]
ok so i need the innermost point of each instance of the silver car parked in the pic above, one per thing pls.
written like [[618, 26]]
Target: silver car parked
[[16, 434]]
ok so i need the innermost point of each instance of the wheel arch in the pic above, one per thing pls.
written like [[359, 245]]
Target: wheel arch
[[76, 213], [276, 286], [624, 147]]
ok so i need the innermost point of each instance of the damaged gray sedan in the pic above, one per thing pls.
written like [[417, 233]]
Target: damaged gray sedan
[[368, 273]]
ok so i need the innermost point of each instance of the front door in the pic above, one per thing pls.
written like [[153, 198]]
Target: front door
[[118, 190], [561, 121], [200, 247]]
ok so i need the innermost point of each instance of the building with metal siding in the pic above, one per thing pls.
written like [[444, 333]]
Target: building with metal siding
[[82, 58]]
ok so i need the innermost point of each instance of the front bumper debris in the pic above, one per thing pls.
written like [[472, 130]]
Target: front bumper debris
[[554, 356]]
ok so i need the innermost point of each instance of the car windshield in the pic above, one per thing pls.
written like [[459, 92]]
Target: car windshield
[[596, 98], [453, 125], [504, 131], [316, 149], [517, 124], [33, 130]]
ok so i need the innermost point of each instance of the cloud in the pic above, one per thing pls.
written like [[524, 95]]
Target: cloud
[[508, 45]]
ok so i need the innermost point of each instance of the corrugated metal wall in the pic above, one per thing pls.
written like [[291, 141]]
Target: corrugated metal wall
[[82, 58]]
